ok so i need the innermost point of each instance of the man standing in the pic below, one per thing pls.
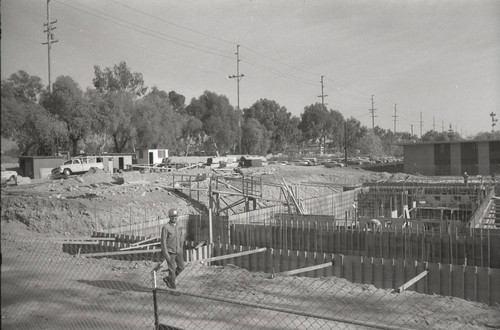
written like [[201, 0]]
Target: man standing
[[171, 246]]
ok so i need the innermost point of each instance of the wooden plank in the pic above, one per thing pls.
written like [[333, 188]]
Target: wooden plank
[[306, 269], [139, 246], [118, 253], [77, 239], [81, 243], [144, 241], [234, 255], [412, 281]]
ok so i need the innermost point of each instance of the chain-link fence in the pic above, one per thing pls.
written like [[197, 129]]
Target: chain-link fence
[[108, 280]]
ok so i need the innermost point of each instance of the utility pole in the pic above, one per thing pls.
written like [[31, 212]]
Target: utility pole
[[420, 125], [323, 105], [395, 118], [322, 93], [411, 130], [372, 110], [345, 143], [434, 123], [442, 125], [50, 39], [238, 78], [493, 122]]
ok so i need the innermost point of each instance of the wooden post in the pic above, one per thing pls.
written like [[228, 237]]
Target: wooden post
[[481, 245], [489, 251], [210, 233]]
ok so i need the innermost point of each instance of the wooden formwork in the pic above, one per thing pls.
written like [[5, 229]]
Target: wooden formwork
[[470, 247], [468, 282]]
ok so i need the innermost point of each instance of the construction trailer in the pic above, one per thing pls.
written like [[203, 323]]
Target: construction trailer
[[476, 157], [115, 162], [37, 167], [151, 157], [249, 161]]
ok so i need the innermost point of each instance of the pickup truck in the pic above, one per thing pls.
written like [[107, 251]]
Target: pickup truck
[[78, 165], [8, 176]]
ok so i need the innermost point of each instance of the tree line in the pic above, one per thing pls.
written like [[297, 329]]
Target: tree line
[[120, 114]]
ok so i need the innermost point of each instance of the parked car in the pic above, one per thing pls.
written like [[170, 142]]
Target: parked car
[[334, 164], [8, 176], [79, 164]]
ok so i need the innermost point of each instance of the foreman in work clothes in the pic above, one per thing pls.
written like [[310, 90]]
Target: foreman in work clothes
[[171, 246]]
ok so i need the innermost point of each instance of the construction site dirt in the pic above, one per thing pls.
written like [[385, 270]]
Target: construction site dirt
[[37, 216]]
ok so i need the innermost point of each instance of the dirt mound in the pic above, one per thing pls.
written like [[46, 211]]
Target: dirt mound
[[96, 175]]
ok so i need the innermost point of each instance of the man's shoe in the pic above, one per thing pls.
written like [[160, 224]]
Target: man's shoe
[[168, 283]]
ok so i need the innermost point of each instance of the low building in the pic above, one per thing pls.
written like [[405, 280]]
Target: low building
[[151, 157], [249, 161], [36, 167], [115, 162], [452, 158]]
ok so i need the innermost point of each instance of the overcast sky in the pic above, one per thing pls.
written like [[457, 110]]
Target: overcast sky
[[438, 58]]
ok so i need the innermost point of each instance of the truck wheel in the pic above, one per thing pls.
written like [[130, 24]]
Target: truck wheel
[[67, 171], [10, 180]]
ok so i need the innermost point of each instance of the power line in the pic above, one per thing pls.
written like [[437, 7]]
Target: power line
[[355, 94], [177, 40], [226, 41], [277, 73], [276, 61], [230, 42], [174, 24], [152, 33]]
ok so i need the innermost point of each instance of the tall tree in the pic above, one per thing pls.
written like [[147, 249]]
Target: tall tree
[[276, 120], [177, 101], [433, 136], [371, 144], [117, 111], [316, 123], [25, 87], [254, 140], [32, 128], [67, 103], [354, 131], [157, 124], [336, 129], [220, 121], [192, 134], [119, 78]]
